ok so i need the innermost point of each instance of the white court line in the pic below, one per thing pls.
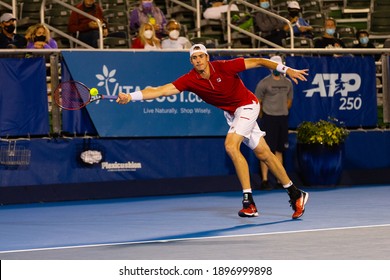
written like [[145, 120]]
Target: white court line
[[189, 239]]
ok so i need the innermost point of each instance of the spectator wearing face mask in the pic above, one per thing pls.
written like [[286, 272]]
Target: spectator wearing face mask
[[174, 40], [9, 39], [269, 27], [364, 42], [301, 27], [328, 40], [147, 11], [38, 37], [146, 38]]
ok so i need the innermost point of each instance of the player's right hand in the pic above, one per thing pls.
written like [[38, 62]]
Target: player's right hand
[[123, 98]]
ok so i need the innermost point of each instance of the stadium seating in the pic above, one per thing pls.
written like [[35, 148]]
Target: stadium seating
[[299, 42], [350, 15], [379, 24], [116, 43]]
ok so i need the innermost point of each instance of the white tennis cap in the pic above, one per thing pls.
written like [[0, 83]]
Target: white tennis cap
[[198, 48], [293, 5], [6, 17], [276, 58]]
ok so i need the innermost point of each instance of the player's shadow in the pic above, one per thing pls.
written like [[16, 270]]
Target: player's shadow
[[214, 232]]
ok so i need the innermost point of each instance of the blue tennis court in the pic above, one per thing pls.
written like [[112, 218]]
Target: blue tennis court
[[338, 224]]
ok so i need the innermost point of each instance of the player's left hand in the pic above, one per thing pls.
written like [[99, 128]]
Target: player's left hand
[[296, 75]]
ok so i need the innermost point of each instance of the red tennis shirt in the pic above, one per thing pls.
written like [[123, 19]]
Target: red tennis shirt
[[224, 89]]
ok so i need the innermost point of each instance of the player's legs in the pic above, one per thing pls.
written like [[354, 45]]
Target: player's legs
[[232, 146], [264, 154], [298, 198], [244, 129], [241, 125]]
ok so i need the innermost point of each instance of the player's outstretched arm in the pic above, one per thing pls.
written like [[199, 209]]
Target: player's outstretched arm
[[147, 93], [294, 74]]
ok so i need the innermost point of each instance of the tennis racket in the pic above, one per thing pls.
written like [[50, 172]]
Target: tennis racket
[[73, 95]]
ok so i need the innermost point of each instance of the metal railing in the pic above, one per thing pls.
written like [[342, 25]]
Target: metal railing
[[231, 26], [13, 8], [67, 36], [55, 56], [196, 10]]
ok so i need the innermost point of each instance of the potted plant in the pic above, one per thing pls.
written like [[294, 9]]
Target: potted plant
[[320, 147]]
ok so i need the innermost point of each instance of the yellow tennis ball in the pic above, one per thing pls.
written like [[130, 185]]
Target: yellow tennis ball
[[93, 91]]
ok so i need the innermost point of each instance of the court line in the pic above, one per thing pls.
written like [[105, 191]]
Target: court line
[[189, 239]]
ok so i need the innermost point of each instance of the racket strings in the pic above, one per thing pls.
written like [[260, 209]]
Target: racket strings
[[72, 96]]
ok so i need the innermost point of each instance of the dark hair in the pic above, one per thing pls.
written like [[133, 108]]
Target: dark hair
[[332, 19], [361, 31]]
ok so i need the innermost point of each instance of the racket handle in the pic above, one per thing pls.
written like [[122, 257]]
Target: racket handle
[[114, 97]]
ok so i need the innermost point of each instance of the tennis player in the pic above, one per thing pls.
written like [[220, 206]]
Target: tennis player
[[218, 84]]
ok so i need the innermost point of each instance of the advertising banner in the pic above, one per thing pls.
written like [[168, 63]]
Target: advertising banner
[[184, 114], [341, 88]]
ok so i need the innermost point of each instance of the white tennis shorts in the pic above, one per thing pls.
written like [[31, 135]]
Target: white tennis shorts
[[244, 122]]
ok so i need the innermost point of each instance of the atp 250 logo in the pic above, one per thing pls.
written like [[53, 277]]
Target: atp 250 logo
[[333, 84]]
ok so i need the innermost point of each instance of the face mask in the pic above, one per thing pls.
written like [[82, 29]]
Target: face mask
[[88, 9], [40, 38], [148, 34], [174, 34], [276, 73], [264, 5], [363, 40], [293, 13], [10, 28], [330, 31]]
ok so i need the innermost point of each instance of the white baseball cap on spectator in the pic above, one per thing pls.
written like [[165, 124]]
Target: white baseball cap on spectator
[[293, 5], [7, 17]]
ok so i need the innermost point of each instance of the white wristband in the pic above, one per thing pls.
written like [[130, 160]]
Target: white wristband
[[282, 68], [137, 95]]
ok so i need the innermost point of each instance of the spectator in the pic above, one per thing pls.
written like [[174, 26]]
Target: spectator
[[38, 37], [301, 27], [146, 38], [328, 40], [270, 27], [9, 39], [147, 11], [364, 42], [213, 8], [175, 41], [87, 29], [275, 94]]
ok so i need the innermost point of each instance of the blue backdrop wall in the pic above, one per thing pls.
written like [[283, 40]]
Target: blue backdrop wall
[[175, 142]]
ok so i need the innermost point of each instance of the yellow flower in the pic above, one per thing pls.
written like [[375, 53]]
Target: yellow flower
[[321, 132]]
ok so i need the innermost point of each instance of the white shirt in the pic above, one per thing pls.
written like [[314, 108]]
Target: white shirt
[[150, 47], [178, 44]]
